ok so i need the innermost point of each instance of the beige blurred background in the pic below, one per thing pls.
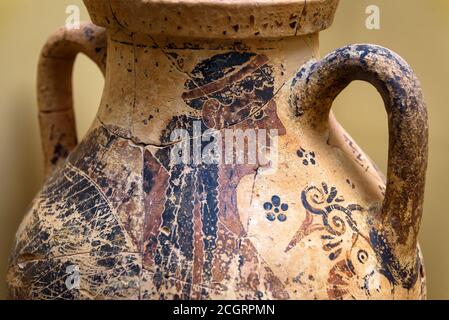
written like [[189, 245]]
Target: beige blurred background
[[418, 30]]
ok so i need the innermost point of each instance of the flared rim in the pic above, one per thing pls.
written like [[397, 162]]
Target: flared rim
[[215, 18]]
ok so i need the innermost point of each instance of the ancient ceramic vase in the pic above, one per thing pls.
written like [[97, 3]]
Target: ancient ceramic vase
[[311, 218]]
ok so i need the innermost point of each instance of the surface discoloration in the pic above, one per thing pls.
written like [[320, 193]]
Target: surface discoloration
[[73, 223], [118, 218], [234, 19]]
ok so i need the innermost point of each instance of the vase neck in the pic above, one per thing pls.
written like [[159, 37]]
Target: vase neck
[[155, 84]]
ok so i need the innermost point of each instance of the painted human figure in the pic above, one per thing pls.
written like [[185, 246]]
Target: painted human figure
[[200, 233]]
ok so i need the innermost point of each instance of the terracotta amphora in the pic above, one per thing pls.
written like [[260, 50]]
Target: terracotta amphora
[[214, 168]]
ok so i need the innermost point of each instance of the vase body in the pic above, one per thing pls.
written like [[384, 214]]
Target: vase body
[[119, 219]]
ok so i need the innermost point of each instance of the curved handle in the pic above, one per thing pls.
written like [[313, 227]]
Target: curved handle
[[315, 88], [54, 87]]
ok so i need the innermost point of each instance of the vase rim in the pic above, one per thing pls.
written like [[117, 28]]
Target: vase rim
[[234, 19]]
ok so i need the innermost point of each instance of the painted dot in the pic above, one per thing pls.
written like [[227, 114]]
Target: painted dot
[[276, 200], [284, 207], [282, 217], [267, 206], [305, 162], [271, 216], [276, 210]]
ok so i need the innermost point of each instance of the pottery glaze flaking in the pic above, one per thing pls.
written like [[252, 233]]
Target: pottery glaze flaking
[[325, 224]]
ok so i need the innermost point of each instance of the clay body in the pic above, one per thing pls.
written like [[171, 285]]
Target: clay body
[[319, 222]]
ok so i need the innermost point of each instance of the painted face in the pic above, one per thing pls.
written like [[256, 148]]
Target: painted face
[[233, 88]]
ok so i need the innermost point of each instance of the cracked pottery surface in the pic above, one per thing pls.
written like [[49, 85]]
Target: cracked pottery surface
[[325, 224]]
